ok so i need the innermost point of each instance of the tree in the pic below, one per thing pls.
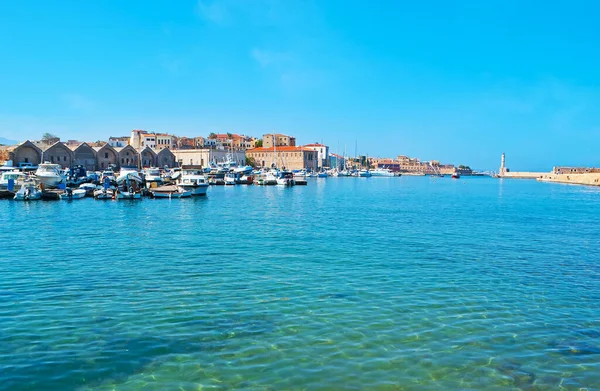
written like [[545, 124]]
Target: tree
[[49, 138], [259, 143], [250, 161], [229, 136], [212, 135], [461, 167]]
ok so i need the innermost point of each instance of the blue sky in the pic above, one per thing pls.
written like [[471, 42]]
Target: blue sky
[[461, 82]]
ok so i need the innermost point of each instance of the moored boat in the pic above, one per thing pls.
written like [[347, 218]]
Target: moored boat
[[29, 191], [170, 191], [194, 181], [129, 185], [72, 194], [50, 175], [382, 172], [104, 194]]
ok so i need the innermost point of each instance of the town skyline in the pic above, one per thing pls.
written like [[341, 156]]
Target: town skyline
[[452, 82]]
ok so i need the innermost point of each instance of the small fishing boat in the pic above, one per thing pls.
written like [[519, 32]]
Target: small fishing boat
[[231, 178], [104, 194], [129, 185], [455, 176], [89, 189], [170, 191], [110, 174], [72, 194], [364, 174], [29, 191], [194, 181]]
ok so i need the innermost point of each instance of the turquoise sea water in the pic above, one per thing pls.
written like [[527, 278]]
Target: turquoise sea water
[[410, 283]]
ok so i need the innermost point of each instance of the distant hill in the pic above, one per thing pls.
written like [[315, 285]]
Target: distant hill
[[5, 141]]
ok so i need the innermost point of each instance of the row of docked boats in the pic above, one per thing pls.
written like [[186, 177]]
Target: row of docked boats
[[52, 184]]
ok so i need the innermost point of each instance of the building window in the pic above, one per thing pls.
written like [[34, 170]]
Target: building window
[[65, 159], [106, 155], [122, 160]]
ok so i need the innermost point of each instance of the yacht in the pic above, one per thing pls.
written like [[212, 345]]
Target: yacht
[[50, 175], [382, 172], [285, 178], [456, 175], [194, 181]]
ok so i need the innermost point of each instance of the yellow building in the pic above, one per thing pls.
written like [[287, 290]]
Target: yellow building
[[288, 157]]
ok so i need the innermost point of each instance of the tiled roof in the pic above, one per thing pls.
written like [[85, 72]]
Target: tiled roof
[[315, 145]]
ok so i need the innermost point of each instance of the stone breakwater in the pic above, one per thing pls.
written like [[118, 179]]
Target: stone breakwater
[[521, 175], [590, 179]]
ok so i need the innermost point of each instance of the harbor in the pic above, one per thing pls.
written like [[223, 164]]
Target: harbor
[[311, 284]]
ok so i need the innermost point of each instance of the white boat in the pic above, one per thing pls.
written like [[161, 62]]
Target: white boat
[[285, 178], [364, 173], [50, 175], [385, 172], [129, 184], [322, 174], [18, 178], [231, 178], [194, 181], [128, 173], [89, 189], [110, 174], [71, 194], [29, 191], [172, 175], [170, 191], [266, 179], [243, 170], [152, 174], [104, 194]]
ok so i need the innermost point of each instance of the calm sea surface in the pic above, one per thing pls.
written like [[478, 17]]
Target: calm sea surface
[[410, 283]]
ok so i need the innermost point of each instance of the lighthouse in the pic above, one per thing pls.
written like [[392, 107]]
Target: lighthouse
[[502, 165]]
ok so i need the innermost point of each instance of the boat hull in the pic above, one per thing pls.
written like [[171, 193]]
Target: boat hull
[[196, 190], [74, 195], [169, 195], [50, 182]]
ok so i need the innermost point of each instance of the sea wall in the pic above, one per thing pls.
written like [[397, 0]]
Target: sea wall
[[591, 179], [522, 175]]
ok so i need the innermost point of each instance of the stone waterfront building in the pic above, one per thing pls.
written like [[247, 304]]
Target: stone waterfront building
[[92, 158], [292, 158], [278, 140]]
